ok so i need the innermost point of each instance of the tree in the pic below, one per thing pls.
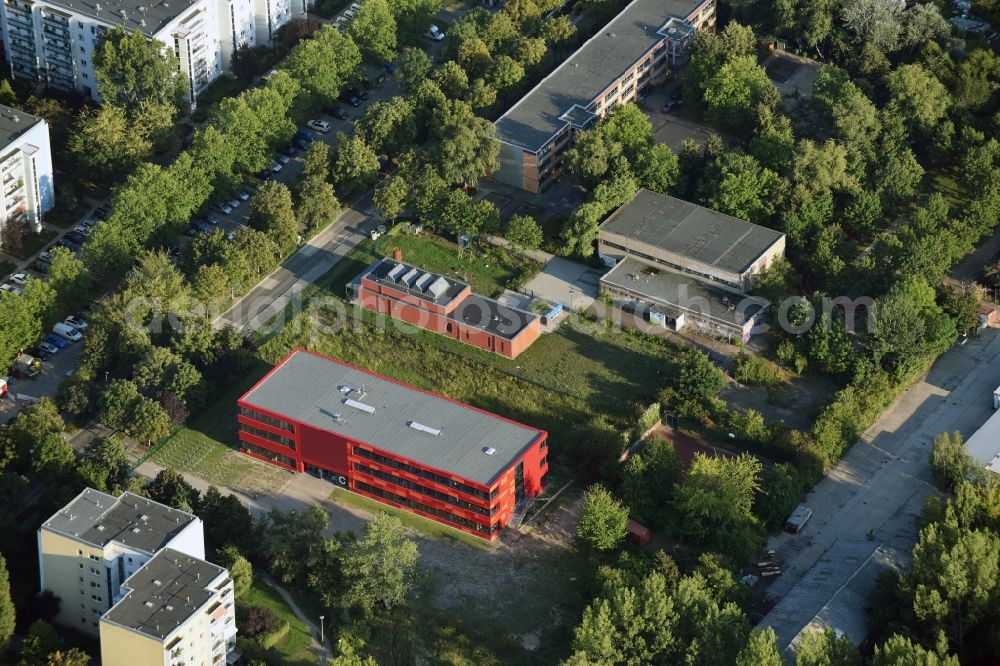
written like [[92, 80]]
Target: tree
[[72, 657], [245, 63], [389, 126], [390, 199], [135, 74], [104, 143], [292, 542], [504, 73], [603, 520], [873, 21], [923, 25], [318, 205], [42, 639], [227, 522], [14, 233], [715, 502], [826, 648], [6, 605], [699, 379], [761, 650], [70, 279], [271, 211], [52, 456], [658, 169], [240, 569], [355, 164], [649, 477], [465, 149], [736, 90], [378, 567], [374, 30], [523, 232], [736, 184], [901, 651], [169, 487], [919, 97], [323, 65], [951, 464], [298, 29], [149, 422], [412, 68]]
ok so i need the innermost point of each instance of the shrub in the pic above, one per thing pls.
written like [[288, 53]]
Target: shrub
[[257, 620], [752, 369]]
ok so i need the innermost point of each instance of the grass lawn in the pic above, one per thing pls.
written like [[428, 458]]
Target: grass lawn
[[487, 269], [294, 650]]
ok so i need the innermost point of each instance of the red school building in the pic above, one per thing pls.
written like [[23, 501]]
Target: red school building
[[413, 449], [445, 306]]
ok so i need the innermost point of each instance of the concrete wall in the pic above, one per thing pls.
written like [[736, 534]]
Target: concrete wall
[[124, 647], [67, 570]]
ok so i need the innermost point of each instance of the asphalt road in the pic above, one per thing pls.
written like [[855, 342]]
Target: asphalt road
[[875, 493]]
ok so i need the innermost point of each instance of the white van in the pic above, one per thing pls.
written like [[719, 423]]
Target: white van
[[64, 330]]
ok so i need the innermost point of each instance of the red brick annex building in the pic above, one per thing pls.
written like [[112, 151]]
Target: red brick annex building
[[445, 306], [439, 458]]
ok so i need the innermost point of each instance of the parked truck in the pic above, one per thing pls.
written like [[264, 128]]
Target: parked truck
[[26, 367]]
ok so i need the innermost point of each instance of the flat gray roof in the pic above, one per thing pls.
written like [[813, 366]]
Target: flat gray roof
[[691, 231], [414, 281], [492, 316], [145, 16], [532, 121], [98, 519], [984, 445], [315, 389], [164, 593], [14, 123], [679, 291]]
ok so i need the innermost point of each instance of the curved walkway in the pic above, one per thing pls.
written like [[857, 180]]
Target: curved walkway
[[322, 651]]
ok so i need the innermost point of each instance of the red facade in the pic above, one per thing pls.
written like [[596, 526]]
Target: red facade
[[390, 478], [437, 318]]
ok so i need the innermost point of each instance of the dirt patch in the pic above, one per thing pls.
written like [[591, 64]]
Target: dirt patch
[[796, 403]]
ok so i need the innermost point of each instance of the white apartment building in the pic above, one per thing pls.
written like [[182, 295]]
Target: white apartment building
[[25, 168], [175, 610], [90, 547], [53, 40]]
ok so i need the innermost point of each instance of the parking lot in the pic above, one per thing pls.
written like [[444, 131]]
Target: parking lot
[[55, 370]]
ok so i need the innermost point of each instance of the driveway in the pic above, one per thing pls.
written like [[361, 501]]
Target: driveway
[[565, 281], [875, 493]]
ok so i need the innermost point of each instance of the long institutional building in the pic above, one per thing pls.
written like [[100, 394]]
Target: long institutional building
[[132, 572], [692, 265], [423, 452], [25, 169], [445, 306], [619, 64], [53, 40]]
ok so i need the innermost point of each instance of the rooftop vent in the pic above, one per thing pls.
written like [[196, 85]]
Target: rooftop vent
[[489, 450], [143, 517], [100, 528], [360, 406], [423, 428], [157, 582], [148, 604], [135, 530], [169, 607]]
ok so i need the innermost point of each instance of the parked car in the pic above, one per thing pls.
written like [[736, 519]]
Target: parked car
[[305, 135], [355, 7], [40, 266], [212, 219], [203, 227], [335, 111], [319, 125], [11, 289], [276, 166], [348, 14], [672, 105], [435, 34], [76, 237], [46, 347], [68, 243], [342, 22], [54, 339], [77, 322], [233, 202], [64, 330], [26, 367], [349, 98], [90, 222], [19, 278], [357, 92], [284, 159], [81, 229], [243, 195], [224, 207], [291, 151], [45, 257]]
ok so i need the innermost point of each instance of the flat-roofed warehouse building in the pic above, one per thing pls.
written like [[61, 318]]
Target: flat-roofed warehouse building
[[445, 306], [439, 458], [695, 262], [618, 65]]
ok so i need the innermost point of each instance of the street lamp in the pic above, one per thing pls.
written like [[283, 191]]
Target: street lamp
[[106, 373], [321, 618]]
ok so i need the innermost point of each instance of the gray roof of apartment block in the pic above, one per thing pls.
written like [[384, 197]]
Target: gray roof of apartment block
[[98, 519], [584, 75], [14, 123], [164, 593], [691, 231], [400, 419], [679, 291], [984, 444], [145, 16]]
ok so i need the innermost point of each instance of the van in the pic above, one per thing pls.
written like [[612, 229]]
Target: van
[[64, 330]]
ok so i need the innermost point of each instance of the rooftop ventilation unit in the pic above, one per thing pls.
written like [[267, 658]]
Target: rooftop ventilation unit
[[489, 450], [423, 428], [360, 406]]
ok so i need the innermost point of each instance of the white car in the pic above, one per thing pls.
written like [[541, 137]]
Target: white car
[[67, 332], [319, 125], [349, 15], [355, 7], [82, 229], [48, 347], [276, 167], [224, 207], [76, 322], [434, 33], [11, 289], [19, 278], [243, 195]]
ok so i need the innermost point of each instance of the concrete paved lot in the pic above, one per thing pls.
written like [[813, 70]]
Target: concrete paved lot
[[877, 490], [54, 371], [565, 281]]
